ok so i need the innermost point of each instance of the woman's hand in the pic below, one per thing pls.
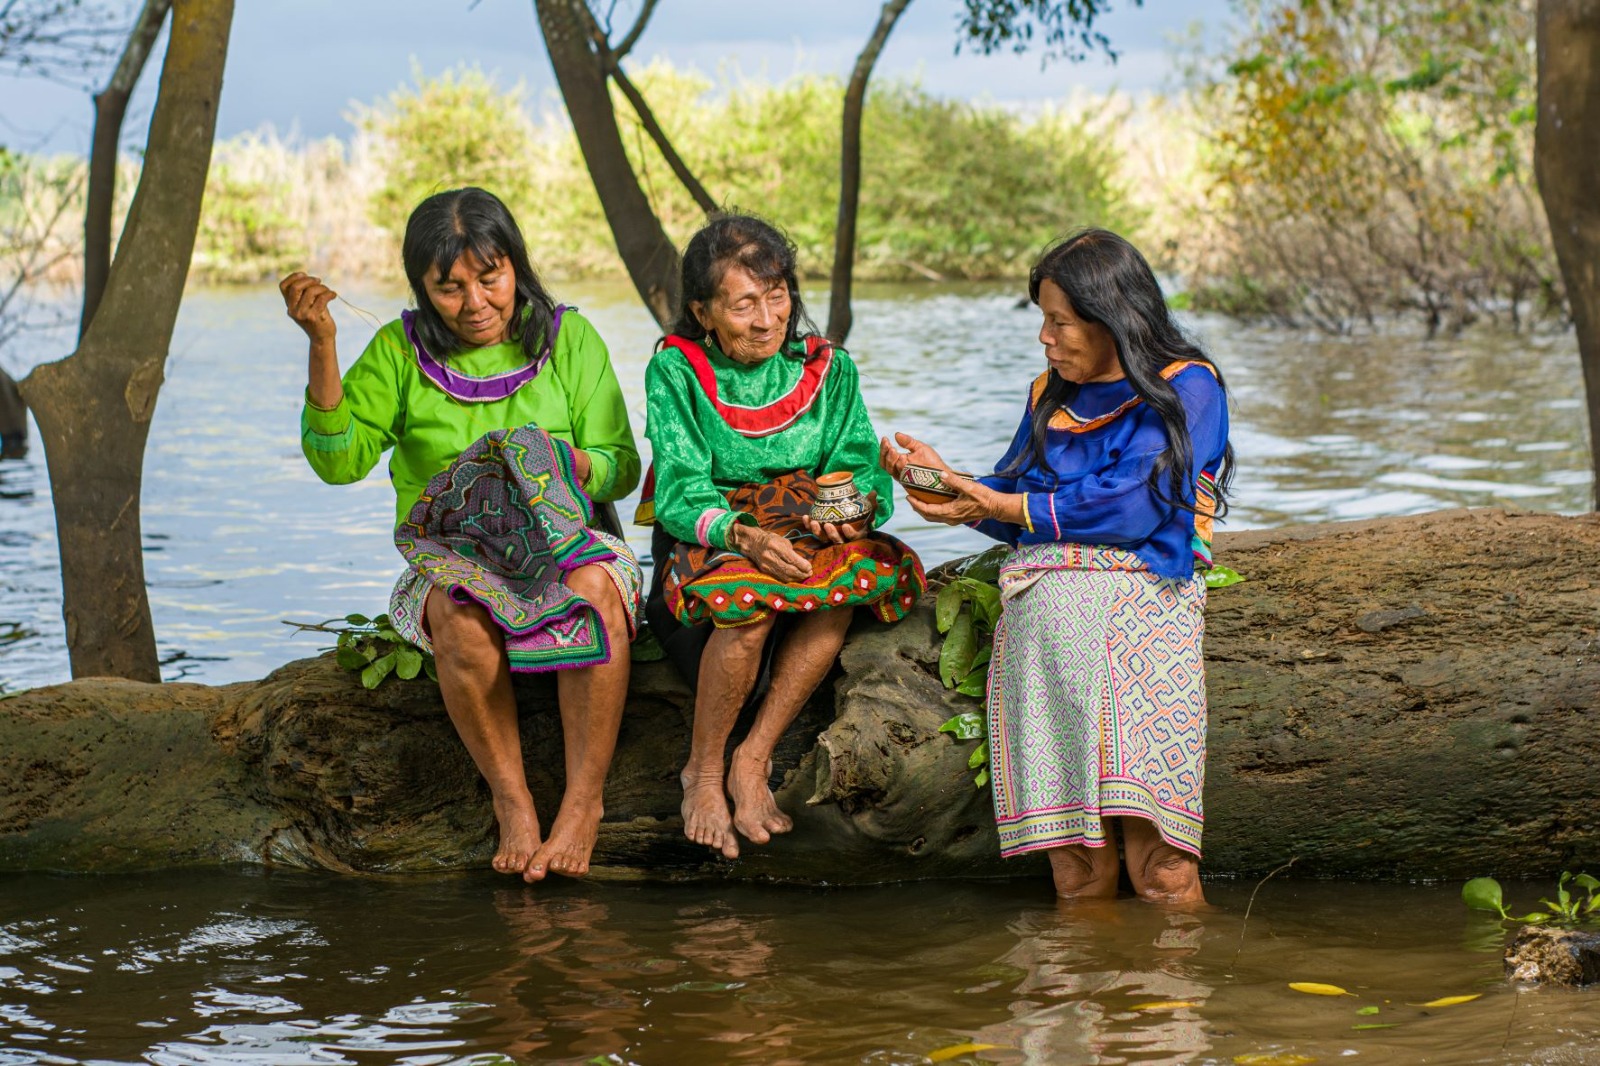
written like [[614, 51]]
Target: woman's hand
[[306, 298], [581, 465], [770, 553], [838, 533], [973, 502], [916, 452]]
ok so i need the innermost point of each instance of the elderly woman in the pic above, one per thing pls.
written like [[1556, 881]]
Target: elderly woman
[[487, 350], [745, 411], [1097, 704]]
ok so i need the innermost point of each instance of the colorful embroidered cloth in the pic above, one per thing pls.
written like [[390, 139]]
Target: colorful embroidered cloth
[[706, 584], [1097, 701], [500, 526]]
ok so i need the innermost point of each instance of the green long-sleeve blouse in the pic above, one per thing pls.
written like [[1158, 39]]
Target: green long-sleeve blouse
[[390, 403], [699, 458]]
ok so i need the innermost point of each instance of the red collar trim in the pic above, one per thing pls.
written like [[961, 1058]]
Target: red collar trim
[[771, 418]]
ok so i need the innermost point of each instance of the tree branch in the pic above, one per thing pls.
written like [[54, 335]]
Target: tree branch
[[625, 46]]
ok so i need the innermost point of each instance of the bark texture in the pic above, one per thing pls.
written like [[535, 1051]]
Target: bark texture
[[1404, 698], [1566, 160], [581, 74], [94, 407]]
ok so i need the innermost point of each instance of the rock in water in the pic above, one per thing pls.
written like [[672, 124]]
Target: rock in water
[[1541, 955], [13, 420]]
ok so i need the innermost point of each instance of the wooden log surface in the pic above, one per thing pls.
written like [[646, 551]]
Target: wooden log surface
[[1401, 698]]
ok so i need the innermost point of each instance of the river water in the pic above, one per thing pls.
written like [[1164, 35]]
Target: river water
[[272, 967]]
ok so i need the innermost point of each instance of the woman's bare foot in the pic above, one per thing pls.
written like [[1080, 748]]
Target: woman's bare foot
[[705, 813], [519, 833], [571, 841], [755, 812]]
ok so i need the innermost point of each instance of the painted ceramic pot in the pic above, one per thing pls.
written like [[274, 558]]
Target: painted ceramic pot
[[838, 499], [926, 483]]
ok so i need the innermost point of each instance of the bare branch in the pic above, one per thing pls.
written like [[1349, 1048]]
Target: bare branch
[[647, 119], [625, 46]]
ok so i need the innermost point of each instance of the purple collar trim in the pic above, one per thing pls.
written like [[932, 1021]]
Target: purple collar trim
[[471, 389]]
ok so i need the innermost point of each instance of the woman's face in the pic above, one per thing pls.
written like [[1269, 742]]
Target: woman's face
[[1077, 350], [749, 317], [476, 299]]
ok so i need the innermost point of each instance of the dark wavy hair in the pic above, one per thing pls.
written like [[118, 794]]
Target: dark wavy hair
[[753, 243], [446, 226], [1109, 282]]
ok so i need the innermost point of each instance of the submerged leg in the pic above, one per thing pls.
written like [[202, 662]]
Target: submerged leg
[[802, 661], [475, 681], [1082, 872], [728, 670], [1160, 872], [591, 702]]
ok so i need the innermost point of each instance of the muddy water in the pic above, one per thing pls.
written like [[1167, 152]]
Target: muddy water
[[239, 534], [226, 967]]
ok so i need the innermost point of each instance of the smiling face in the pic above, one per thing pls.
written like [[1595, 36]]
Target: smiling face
[[749, 317], [476, 299], [1076, 349]]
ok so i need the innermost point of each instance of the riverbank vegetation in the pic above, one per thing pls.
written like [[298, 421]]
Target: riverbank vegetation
[[1340, 164]]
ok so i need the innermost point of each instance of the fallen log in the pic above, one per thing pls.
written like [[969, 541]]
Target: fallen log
[[1402, 698]]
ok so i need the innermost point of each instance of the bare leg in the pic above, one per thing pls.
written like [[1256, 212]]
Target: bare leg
[[728, 670], [1160, 872], [1082, 872], [799, 667], [591, 701], [475, 680]]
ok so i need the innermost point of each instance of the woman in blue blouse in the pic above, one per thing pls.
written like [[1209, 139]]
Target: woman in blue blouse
[[1097, 705]]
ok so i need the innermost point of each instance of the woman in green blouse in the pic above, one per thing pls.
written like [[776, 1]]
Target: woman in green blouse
[[485, 350], [746, 410]]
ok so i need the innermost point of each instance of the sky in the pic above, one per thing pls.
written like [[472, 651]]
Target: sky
[[299, 65]]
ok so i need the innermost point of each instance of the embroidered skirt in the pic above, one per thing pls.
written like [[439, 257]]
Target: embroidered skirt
[[1097, 700], [501, 527], [723, 587]]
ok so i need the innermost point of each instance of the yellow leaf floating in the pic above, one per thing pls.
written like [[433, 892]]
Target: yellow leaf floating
[[955, 1051], [1313, 988], [1273, 1058], [1448, 1001], [1167, 1004]]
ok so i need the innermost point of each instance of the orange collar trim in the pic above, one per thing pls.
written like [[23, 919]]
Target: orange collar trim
[[1065, 419]]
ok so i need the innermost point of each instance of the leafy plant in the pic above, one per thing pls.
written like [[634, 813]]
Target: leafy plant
[[372, 648], [1484, 894]]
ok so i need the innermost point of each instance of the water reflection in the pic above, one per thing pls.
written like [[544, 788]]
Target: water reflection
[[239, 535]]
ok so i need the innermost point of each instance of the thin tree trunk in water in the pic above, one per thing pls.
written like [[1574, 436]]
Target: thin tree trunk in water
[[1567, 160], [94, 407], [844, 236], [110, 105], [645, 248]]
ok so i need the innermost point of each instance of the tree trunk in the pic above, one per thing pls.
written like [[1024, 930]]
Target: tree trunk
[[13, 420], [1406, 698], [94, 407], [1566, 161], [844, 235], [110, 105], [645, 248]]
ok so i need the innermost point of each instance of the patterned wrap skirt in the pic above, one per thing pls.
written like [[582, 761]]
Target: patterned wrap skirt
[[501, 527], [877, 571], [1097, 699]]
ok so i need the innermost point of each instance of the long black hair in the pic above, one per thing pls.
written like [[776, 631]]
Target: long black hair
[[446, 226], [755, 244], [1108, 282]]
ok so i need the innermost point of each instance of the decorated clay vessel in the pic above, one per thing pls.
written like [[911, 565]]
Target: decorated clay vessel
[[926, 483], [838, 499]]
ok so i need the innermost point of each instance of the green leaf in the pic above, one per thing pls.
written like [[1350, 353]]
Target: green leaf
[[985, 600], [968, 725], [346, 639], [1532, 919], [358, 619], [381, 620], [646, 649], [390, 635], [377, 670], [985, 566], [1220, 577], [960, 648], [982, 778], [1585, 882], [350, 658], [979, 756], [1375, 1025], [985, 653], [1483, 894], [407, 661], [368, 649], [976, 683], [1368, 1010], [946, 606], [430, 668]]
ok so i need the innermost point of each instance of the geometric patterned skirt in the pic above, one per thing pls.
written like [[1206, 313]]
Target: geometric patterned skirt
[[1097, 699]]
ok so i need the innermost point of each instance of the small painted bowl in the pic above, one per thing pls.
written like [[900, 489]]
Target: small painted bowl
[[838, 499], [926, 483]]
